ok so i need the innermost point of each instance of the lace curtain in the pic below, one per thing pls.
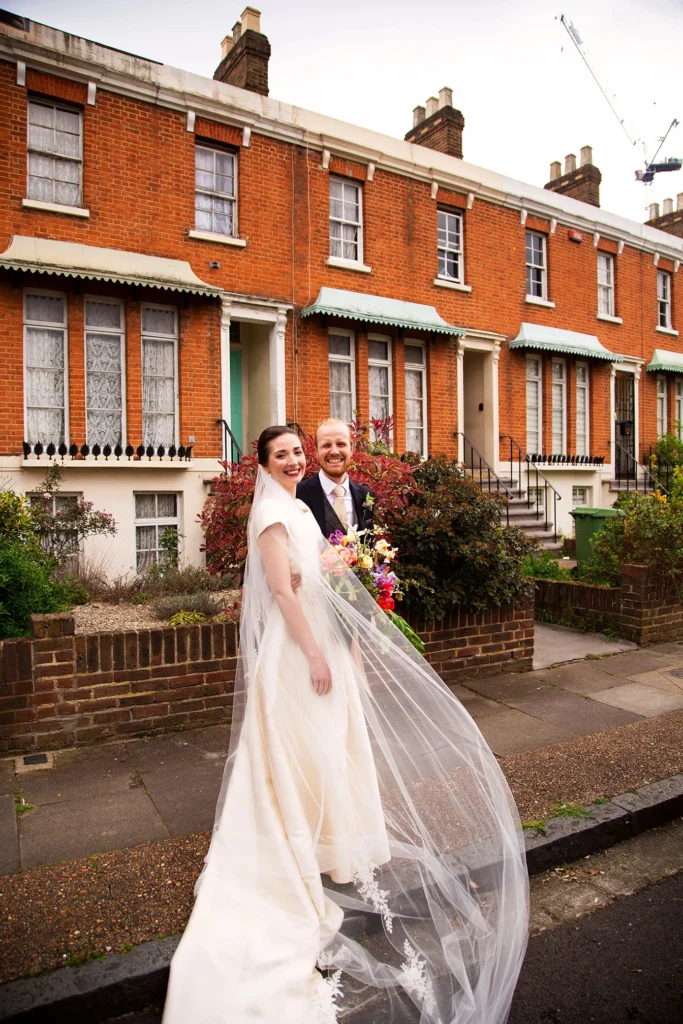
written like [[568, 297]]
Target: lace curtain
[[103, 369], [45, 385], [158, 391]]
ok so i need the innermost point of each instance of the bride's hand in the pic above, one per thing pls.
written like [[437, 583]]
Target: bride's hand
[[320, 674]]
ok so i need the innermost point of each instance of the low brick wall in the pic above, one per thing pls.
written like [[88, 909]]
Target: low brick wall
[[61, 690], [642, 609]]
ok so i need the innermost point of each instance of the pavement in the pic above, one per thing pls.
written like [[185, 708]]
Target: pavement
[[554, 645], [94, 800]]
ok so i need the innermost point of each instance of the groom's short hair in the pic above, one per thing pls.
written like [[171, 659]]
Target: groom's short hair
[[332, 421]]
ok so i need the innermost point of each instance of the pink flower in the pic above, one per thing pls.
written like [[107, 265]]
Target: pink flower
[[46, 494]]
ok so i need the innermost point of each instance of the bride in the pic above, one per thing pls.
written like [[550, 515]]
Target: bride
[[367, 861]]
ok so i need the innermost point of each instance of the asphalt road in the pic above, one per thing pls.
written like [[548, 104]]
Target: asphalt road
[[619, 965]]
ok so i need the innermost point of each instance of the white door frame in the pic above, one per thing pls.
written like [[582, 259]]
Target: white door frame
[[488, 342]]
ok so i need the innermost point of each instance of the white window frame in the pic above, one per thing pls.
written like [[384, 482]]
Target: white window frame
[[68, 108], [350, 360], [160, 522], [447, 249], [678, 406], [384, 363], [589, 496], [423, 369], [662, 405], [585, 387], [162, 337], [54, 326], [218, 195], [340, 220], [106, 330], [539, 381], [542, 266], [36, 498], [553, 384], [664, 299], [606, 287]]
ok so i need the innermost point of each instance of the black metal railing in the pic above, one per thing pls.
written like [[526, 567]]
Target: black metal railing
[[479, 469], [538, 458], [637, 477], [108, 452], [231, 449], [530, 479], [660, 467]]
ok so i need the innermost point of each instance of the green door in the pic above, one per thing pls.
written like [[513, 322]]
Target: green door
[[236, 411]]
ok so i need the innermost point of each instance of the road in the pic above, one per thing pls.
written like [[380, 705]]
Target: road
[[618, 965]]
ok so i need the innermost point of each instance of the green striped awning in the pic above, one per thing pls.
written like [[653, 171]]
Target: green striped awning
[[663, 360], [376, 309], [553, 339]]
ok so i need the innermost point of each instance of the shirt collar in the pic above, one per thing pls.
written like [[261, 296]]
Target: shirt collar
[[328, 485]]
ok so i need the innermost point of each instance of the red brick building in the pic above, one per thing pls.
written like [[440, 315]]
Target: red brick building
[[178, 251]]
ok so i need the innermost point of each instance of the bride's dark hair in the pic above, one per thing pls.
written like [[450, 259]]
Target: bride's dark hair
[[266, 436]]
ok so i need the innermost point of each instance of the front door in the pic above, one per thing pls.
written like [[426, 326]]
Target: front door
[[624, 425]]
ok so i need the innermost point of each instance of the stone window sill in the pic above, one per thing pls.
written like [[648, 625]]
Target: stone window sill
[[667, 330], [442, 282], [210, 236], [70, 211], [533, 300], [360, 268], [608, 318]]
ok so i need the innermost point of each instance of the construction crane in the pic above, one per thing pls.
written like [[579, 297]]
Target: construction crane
[[652, 167]]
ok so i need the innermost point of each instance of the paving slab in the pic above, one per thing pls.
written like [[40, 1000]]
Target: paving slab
[[669, 647], [7, 777], [175, 751], [573, 711], [65, 831], [9, 847], [186, 800], [632, 662], [555, 644], [579, 676], [642, 700], [212, 741], [648, 858], [507, 686], [512, 732], [662, 679], [80, 774]]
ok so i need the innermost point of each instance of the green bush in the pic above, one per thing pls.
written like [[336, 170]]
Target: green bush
[[15, 517], [544, 567], [202, 603], [26, 587], [184, 618], [649, 533], [453, 546]]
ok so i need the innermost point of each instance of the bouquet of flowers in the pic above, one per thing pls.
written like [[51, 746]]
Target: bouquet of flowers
[[369, 555]]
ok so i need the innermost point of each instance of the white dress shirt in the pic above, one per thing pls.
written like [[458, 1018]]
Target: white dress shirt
[[328, 486]]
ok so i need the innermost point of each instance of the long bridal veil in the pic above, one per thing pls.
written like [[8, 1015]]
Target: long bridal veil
[[426, 844]]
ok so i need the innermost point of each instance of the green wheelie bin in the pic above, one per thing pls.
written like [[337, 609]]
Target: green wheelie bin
[[588, 522]]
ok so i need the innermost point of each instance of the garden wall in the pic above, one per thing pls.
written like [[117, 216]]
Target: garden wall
[[643, 608], [61, 690]]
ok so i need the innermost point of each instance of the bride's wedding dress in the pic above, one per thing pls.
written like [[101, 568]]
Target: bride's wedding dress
[[384, 786]]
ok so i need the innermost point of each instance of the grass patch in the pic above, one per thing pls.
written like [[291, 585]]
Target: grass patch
[[21, 805], [534, 825], [601, 800], [562, 809], [78, 959]]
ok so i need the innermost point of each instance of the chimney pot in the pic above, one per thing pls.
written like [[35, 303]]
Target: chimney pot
[[586, 155], [654, 211], [679, 201], [236, 31], [668, 206], [226, 46], [432, 105], [418, 116], [251, 19], [445, 97], [555, 170], [570, 163]]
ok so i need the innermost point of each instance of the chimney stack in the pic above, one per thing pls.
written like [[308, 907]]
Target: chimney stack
[[582, 183], [245, 55], [669, 219], [438, 125]]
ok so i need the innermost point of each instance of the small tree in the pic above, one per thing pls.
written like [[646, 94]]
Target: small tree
[[62, 526]]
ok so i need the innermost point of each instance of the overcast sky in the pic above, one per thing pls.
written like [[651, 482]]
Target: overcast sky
[[525, 93]]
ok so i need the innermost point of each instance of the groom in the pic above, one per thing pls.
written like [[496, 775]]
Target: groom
[[334, 499]]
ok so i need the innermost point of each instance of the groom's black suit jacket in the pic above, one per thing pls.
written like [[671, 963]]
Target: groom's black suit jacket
[[312, 494]]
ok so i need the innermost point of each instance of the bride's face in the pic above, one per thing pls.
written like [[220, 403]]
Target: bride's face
[[286, 461]]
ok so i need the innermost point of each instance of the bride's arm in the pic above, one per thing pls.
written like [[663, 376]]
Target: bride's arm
[[273, 548]]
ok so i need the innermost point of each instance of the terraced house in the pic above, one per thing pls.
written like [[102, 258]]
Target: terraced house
[[184, 260]]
